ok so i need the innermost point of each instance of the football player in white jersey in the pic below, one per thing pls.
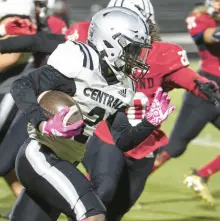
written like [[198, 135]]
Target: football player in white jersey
[[100, 78]]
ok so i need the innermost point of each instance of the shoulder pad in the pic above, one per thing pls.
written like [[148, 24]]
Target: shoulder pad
[[71, 57], [168, 57]]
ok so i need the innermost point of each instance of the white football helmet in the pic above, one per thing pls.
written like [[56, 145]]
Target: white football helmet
[[142, 7], [17, 7], [118, 35], [212, 10]]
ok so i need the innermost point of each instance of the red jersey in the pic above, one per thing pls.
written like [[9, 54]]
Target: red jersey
[[168, 69], [78, 31], [56, 25], [209, 53]]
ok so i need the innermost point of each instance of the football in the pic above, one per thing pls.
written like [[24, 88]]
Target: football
[[53, 101]]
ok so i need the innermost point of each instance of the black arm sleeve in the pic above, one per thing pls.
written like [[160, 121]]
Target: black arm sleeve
[[26, 90], [41, 42], [127, 137]]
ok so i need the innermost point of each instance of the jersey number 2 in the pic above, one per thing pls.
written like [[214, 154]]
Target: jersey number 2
[[95, 116], [184, 59]]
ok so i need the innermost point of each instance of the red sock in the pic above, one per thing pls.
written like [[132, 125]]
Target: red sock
[[87, 176], [210, 168], [160, 160]]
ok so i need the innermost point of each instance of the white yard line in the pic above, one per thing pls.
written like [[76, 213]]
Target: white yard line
[[206, 141]]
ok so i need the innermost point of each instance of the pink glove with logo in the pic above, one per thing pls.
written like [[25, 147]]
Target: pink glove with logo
[[55, 127], [159, 109]]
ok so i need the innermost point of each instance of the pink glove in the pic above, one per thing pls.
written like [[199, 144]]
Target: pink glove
[[159, 109], [54, 126]]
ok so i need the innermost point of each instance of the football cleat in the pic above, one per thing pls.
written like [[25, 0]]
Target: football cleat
[[199, 184]]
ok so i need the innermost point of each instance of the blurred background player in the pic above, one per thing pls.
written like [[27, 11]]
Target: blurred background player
[[12, 67], [48, 23], [49, 19], [202, 25], [38, 13], [59, 8], [197, 179]]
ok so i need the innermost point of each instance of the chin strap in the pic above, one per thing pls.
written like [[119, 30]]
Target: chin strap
[[119, 74]]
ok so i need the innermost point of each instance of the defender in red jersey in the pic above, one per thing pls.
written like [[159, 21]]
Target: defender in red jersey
[[168, 64], [203, 26]]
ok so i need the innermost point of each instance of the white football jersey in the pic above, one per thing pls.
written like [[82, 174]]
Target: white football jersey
[[97, 97]]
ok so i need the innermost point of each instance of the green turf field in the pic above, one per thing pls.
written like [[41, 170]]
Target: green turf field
[[165, 197]]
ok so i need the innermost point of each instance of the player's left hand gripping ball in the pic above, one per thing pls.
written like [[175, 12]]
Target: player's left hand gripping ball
[[159, 109], [55, 127]]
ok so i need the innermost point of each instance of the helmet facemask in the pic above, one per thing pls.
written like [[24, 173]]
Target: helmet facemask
[[132, 59]]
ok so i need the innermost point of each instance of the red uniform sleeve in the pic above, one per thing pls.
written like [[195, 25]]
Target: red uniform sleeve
[[78, 32], [56, 25], [172, 58], [197, 24], [184, 78]]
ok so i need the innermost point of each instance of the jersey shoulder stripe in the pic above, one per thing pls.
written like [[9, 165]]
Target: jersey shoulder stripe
[[87, 61], [90, 63], [71, 57], [84, 54]]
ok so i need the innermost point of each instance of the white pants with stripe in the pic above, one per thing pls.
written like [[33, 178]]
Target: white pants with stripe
[[8, 112]]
